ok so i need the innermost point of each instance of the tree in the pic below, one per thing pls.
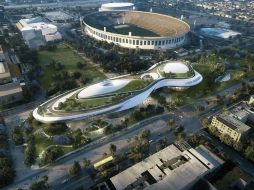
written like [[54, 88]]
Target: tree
[[6, 171], [45, 178], [180, 136], [249, 152], [40, 185], [75, 169], [112, 149], [145, 134], [86, 163], [51, 154], [78, 138], [171, 123], [17, 135], [226, 139], [77, 75], [162, 143], [206, 122], [80, 65], [30, 152], [238, 146], [213, 130]]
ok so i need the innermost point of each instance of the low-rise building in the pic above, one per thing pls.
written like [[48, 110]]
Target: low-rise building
[[10, 88], [227, 124], [10, 93], [36, 32], [170, 168]]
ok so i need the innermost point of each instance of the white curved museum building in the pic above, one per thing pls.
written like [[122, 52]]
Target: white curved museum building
[[116, 94], [136, 29]]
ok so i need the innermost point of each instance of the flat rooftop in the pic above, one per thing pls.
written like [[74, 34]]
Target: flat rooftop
[[233, 123], [9, 89], [4, 71], [220, 32], [114, 5], [169, 168]]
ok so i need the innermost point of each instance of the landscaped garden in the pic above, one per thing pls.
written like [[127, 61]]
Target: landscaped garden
[[47, 142], [63, 69]]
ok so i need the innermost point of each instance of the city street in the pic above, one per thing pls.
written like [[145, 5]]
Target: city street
[[157, 125]]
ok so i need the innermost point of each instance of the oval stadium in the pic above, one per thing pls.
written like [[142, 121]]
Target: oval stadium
[[136, 29]]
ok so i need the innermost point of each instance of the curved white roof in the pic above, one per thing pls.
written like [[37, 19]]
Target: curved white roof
[[153, 75], [174, 67], [103, 87], [115, 5]]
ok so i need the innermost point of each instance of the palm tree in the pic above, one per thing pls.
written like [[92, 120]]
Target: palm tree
[[170, 124], [112, 149]]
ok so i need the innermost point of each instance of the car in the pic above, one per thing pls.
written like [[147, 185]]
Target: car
[[65, 181]]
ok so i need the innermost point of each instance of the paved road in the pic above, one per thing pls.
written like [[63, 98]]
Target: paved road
[[158, 131], [96, 149], [20, 108], [245, 164], [92, 152], [82, 179]]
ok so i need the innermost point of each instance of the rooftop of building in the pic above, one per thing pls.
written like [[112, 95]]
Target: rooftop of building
[[169, 168], [114, 5], [4, 71], [240, 113], [33, 23], [220, 32], [233, 123], [9, 89]]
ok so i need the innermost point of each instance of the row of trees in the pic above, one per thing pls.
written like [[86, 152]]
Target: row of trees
[[7, 172], [244, 147], [113, 58]]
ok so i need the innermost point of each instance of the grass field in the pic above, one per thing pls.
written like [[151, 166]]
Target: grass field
[[41, 143], [133, 85], [69, 59], [135, 31]]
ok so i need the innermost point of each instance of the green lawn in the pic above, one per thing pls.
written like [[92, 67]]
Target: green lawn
[[41, 143], [133, 85], [67, 149], [69, 59], [135, 31], [74, 104]]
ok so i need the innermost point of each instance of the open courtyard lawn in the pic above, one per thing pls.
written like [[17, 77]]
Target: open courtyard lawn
[[81, 104], [67, 149], [41, 143], [138, 84], [69, 59], [207, 86]]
